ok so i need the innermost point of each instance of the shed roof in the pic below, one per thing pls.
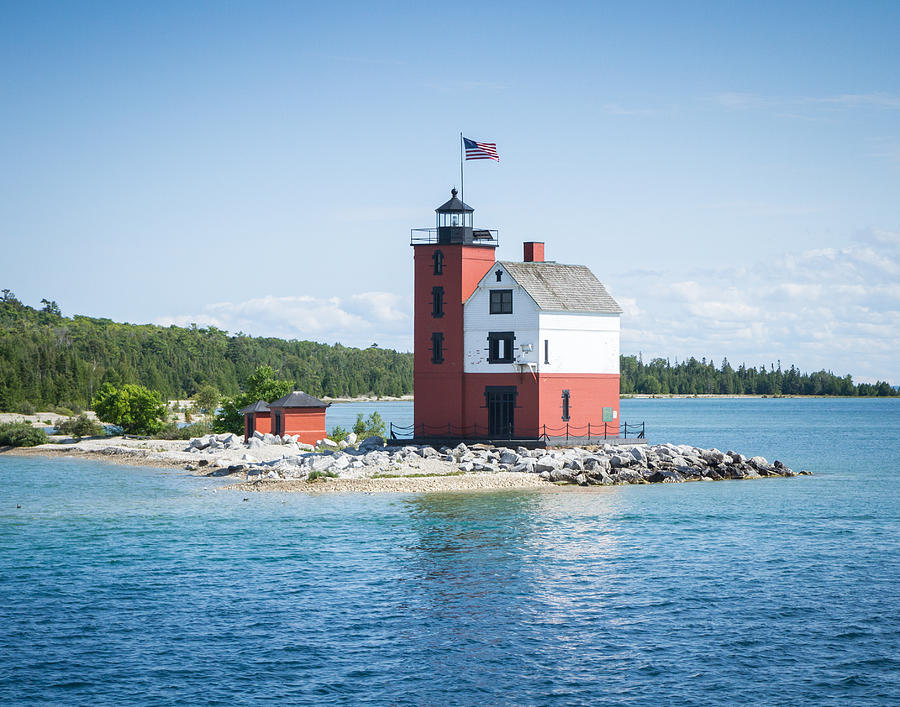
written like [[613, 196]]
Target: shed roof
[[562, 288], [298, 399], [258, 406]]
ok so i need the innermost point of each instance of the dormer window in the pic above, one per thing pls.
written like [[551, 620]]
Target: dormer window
[[501, 302]]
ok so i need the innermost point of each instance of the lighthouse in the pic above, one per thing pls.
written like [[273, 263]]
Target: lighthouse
[[505, 349], [449, 260]]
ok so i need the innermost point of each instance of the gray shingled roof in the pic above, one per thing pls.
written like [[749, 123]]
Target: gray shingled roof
[[258, 406], [298, 399], [562, 288]]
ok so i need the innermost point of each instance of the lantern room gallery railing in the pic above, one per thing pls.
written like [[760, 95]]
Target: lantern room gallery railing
[[480, 236], [545, 433]]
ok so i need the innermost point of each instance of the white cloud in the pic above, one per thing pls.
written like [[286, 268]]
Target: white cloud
[[833, 308], [356, 320]]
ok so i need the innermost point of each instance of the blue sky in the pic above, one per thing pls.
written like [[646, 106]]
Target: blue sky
[[729, 170]]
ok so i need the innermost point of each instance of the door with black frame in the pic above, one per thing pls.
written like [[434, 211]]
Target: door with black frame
[[501, 405]]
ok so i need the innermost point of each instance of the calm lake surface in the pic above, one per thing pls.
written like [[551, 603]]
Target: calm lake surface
[[125, 585]]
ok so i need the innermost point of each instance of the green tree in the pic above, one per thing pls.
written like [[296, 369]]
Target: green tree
[[372, 426], [207, 398], [261, 385], [134, 408]]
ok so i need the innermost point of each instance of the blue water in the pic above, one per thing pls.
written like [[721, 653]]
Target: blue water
[[123, 585]]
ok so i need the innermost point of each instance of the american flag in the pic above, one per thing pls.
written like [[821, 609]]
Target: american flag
[[481, 150]]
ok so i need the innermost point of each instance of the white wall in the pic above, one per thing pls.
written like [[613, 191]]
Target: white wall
[[579, 342], [478, 321]]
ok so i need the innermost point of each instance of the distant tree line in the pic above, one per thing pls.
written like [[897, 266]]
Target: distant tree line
[[693, 377], [49, 361]]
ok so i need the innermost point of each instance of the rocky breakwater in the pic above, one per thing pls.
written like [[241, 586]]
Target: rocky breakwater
[[639, 464], [284, 458]]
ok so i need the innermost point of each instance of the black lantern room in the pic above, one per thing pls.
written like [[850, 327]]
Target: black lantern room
[[454, 221]]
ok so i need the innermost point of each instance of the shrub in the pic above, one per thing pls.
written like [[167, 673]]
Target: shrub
[[313, 475], [81, 426], [372, 426], [60, 410], [26, 408], [173, 431], [21, 434], [338, 433]]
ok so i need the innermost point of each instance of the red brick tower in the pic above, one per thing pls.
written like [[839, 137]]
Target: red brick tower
[[450, 260]]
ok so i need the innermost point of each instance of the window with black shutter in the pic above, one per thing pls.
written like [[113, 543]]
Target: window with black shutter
[[437, 302], [500, 346], [437, 347]]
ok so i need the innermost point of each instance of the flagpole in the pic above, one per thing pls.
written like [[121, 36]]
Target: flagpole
[[462, 189]]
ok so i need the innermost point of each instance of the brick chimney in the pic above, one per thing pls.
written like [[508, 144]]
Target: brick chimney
[[534, 252]]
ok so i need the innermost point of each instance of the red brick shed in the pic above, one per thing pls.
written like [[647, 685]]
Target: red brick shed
[[257, 418], [299, 414]]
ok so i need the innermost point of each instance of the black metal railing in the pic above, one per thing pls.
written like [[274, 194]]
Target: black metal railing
[[480, 236], [590, 431]]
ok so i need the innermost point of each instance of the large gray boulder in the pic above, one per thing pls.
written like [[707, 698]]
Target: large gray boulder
[[546, 463], [323, 463], [562, 475], [666, 477], [507, 456], [628, 476], [712, 456], [596, 463], [620, 461], [639, 455], [373, 442]]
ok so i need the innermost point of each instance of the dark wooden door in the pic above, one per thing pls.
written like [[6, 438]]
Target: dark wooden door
[[501, 404]]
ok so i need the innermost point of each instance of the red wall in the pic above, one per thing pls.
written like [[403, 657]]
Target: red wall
[[588, 394], [308, 423], [525, 416], [439, 387], [260, 421]]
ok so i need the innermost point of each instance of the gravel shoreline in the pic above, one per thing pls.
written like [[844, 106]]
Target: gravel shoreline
[[502, 480], [269, 463]]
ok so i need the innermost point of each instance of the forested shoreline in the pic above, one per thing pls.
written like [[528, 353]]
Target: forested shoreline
[[49, 361], [693, 377]]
